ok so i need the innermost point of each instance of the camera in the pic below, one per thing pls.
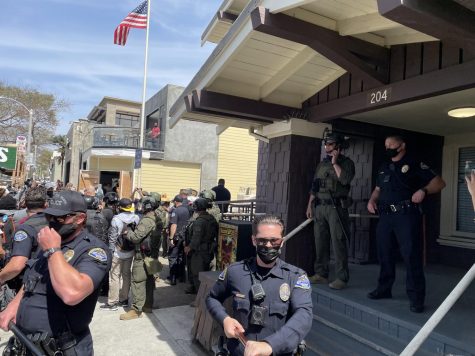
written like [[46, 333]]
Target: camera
[[257, 292], [258, 315]]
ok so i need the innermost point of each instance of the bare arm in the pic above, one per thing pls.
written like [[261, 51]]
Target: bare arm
[[13, 268], [373, 201], [11, 310], [68, 283], [309, 213], [435, 185], [172, 231]]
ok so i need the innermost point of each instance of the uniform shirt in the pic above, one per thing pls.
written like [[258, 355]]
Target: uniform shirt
[[399, 180], [24, 240], [325, 178], [180, 216], [41, 310], [288, 302]]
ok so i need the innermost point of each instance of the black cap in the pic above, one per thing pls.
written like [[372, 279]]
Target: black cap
[[178, 199], [66, 202], [126, 205]]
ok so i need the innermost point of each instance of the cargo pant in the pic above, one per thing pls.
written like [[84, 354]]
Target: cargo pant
[[143, 285], [328, 232]]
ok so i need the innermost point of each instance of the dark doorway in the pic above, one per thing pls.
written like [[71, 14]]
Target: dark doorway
[[109, 180]]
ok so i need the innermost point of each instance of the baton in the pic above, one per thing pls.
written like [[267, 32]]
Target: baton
[[24, 340]]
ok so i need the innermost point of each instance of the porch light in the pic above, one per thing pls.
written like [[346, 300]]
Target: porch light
[[461, 113]]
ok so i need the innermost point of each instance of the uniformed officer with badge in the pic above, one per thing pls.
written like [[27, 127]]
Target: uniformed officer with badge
[[401, 185], [272, 304], [61, 285], [329, 195]]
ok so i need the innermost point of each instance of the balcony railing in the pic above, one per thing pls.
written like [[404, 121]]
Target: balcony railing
[[120, 137]]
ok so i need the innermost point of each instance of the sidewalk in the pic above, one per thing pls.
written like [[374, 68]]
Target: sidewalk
[[165, 332]]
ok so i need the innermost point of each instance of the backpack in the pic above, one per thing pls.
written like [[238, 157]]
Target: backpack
[[96, 224], [122, 242], [147, 244]]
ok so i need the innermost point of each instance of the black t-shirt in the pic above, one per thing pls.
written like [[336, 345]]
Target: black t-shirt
[[399, 180]]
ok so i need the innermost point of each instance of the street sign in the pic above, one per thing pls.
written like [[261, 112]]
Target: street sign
[[8, 157], [21, 143], [138, 158]]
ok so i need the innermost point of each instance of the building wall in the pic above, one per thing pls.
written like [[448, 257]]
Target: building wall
[[168, 178], [114, 164], [237, 161], [113, 107]]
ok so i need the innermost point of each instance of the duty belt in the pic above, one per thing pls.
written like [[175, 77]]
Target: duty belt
[[329, 201], [397, 207]]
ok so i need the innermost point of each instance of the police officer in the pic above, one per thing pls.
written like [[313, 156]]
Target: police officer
[[401, 185], [96, 223], [178, 220], [202, 244], [25, 242], [272, 304], [146, 238], [329, 195], [61, 285]]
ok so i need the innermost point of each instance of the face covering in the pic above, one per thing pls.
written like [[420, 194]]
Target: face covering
[[50, 193], [392, 152], [267, 254], [65, 230]]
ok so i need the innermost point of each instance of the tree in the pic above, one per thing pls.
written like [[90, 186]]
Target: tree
[[43, 162], [61, 142], [14, 119]]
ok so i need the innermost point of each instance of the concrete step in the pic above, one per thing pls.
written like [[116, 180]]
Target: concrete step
[[382, 330]]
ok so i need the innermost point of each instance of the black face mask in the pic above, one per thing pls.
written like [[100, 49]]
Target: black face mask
[[392, 152], [50, 193], [65, 230], [267, 254]]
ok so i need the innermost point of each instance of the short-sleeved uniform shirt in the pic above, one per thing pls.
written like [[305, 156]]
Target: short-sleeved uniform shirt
[[24, 240], [398, 181], [41, 309], [180, 216], [288, 304]]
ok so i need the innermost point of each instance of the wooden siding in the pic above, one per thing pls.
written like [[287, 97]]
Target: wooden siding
[[237, 160], [111, 164], [168, 178]]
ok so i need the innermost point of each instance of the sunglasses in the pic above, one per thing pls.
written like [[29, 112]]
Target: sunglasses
[[60, 219], [276, 241]]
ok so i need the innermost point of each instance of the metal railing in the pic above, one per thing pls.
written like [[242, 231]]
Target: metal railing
[[118, 137]]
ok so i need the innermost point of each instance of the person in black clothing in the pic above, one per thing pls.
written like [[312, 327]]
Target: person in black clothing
[[110, 200], [222, 194], [403, 182]]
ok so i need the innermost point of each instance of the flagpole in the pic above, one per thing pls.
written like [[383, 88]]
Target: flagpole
[[144, 95]]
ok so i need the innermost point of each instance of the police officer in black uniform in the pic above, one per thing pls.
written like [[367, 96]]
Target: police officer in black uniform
[[402, 184], [61, 285], [24, 244], [272, 305]]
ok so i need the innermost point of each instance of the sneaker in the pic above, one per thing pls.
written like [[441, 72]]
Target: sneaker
[[317, 279], [337, 284], [124, 303], [131, 314], [109, 307]]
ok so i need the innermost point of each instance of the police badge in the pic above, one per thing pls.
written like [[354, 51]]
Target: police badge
[[284, 292], [405, 168]]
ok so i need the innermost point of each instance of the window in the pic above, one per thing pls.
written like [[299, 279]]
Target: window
[[127, 120], [465, 221]]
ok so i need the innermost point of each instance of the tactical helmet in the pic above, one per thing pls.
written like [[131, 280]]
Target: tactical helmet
[[208, 194], [334, 137], [201, 204], [149, 204], [111, 198], [91, 202], [156, 196]]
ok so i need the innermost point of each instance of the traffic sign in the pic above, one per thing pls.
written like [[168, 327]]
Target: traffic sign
[[138, 158]]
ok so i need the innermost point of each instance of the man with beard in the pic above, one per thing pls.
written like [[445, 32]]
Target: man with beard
[[61, 285], [272, 304], [329, 196]]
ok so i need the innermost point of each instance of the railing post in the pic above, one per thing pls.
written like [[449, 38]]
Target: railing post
[[441, 311]]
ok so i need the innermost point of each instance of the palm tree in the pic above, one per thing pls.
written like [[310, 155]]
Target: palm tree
[[61, 142]]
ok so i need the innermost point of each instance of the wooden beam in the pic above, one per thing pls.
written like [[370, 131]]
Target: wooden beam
[[442, 19], [364, 23], [371, 62], [240, 107], [455, 78], [292, 67], [226, 16], [283, 5]]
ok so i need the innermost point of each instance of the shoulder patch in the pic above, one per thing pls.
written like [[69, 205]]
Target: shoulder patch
[[98, 254], [303, 282], [222, 275], [20, 236], [424, 166]]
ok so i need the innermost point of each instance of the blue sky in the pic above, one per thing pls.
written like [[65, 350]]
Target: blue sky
[[65, 47]]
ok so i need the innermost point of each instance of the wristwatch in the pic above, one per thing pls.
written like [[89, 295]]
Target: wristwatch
[[47, 253]]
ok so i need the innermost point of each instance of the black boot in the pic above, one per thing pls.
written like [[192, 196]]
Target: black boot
[[173, 279]]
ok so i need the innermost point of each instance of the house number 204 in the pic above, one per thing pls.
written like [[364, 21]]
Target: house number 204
[[379, 97]]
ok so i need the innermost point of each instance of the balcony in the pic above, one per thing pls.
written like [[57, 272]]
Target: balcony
[[119, 137]]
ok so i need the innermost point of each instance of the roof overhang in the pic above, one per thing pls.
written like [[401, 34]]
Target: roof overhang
[[282, 52]]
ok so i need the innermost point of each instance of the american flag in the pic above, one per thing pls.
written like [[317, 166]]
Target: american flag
[[136, 19]]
